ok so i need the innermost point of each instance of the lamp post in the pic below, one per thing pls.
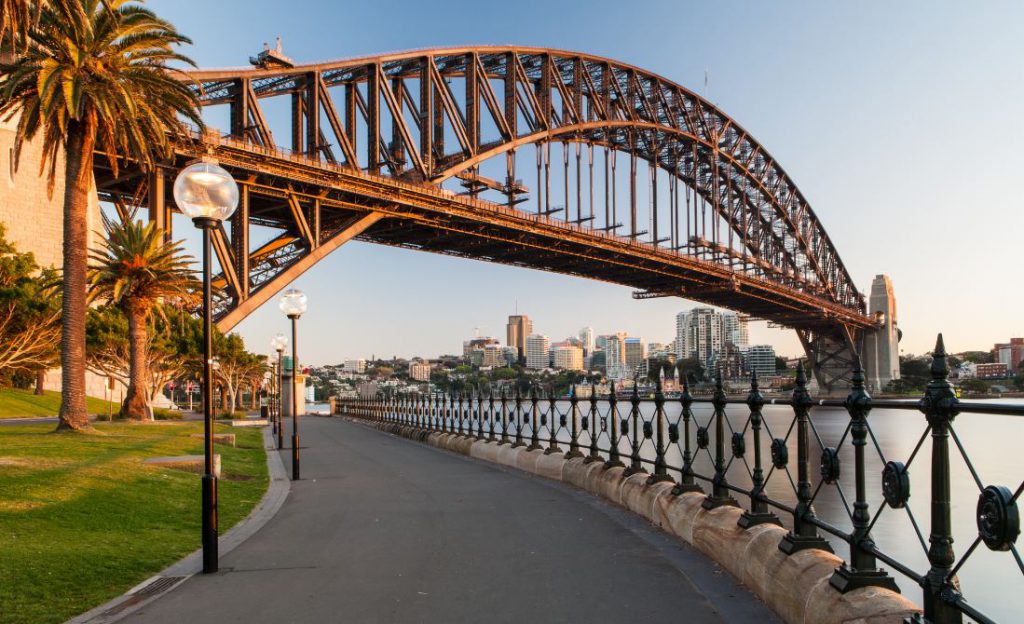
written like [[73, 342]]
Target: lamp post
[[267, 388], [208, 195], [293, 304], [279, 342]]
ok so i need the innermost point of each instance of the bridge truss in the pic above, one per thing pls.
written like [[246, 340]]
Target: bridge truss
[[633, 180]]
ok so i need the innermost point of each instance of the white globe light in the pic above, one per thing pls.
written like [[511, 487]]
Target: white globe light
[[293, 302], [279, 342], [204, 190]]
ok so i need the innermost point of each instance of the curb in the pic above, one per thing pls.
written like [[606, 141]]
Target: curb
[[177, 573]]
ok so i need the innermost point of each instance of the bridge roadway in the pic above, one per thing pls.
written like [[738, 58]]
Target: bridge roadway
[[382, 529]]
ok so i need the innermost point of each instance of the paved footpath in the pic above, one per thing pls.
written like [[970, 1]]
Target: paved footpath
[[384, 529]]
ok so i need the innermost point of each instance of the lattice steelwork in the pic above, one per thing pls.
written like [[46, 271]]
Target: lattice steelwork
[[522, 156]]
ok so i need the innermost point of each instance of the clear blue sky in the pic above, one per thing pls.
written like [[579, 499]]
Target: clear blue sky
[[901, 123]]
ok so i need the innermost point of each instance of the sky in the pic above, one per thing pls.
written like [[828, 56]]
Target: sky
[[900, 123]]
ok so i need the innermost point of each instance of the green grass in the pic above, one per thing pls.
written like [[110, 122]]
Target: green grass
[[24, 404], [82, 519]]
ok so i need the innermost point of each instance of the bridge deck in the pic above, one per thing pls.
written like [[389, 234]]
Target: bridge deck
[[382, 529]]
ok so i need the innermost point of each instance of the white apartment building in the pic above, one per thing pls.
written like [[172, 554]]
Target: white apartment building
[[354, 366], [586, 336], [420, 371], [699, 334], [568, 357], [538, 351]]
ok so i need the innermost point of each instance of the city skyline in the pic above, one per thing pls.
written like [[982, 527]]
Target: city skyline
[[861, 98]]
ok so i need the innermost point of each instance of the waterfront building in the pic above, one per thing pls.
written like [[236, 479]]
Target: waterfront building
[[761, 359], [735, 329], [468, 346], [519, 327], [992, 370], [635, 353], [568, 357], [1009, 353], [538, 351]]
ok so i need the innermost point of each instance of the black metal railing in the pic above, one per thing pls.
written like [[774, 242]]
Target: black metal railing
[[672, 445]]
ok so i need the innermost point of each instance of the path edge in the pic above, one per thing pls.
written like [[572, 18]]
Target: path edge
[[177, 573]]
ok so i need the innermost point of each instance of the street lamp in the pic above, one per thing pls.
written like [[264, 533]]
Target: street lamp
[[267, 389], [207, 194], [293, 304], [279, 342]]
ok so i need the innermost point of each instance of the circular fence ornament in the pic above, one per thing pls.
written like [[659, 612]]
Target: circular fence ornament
[[829, 465], [780, 453], [648, 429], [585, 423], [998, 518], [895, 484], [739, 445], [561, 420], [702, 437], [673, 433], [624, 427], [543, 420], [604, 425]]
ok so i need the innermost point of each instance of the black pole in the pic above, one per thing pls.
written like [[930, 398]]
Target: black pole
[[209, 522], [295, 403], [280, 394]]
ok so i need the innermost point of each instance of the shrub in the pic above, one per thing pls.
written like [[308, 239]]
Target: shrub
[[161, 413]]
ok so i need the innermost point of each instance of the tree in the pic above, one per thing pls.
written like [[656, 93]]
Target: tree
[[690, 369], [16, 17], [173, 343], [235, 366], [780, 364], [136, 270], [29, 314], [92, 74]]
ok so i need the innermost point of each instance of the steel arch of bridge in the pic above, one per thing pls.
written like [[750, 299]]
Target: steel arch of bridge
[[372, 139]]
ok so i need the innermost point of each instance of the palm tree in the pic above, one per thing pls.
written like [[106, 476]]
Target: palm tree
[[93, 74], [16, 17], [136, 271]]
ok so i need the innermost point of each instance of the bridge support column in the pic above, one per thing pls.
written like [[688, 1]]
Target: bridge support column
[[880, 347]]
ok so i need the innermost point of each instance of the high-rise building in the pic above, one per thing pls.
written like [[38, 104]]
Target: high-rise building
[[568, 357], [354, 366], [735, 329], [699, 334], [538, 349], [761, 360], [586, 336], [615, 355], [636, 354], [518, 328]]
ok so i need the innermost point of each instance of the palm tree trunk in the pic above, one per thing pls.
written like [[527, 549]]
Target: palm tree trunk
[[40, 382], [136, 403], [78, 175]]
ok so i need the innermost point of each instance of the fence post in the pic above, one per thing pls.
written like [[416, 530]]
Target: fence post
[[504, 416], [862, 570], [686, 480], [553, 424], [479, 411], [490, 414], [758, 512], [635, 465], [660, 467], [804, 534], [594, 429], [518, 418], [720, 485], [574, 432], [613, 430], [939, 407], [534, 422]]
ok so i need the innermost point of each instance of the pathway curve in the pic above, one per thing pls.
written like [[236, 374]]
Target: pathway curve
[[383, 529]]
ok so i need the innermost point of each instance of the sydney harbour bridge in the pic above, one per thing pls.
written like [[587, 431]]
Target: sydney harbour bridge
[[541, 158]]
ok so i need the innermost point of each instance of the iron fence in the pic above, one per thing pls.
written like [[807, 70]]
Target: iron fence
[[643, 435]]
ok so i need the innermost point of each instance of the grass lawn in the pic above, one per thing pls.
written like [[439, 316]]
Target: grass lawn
[[24, 403], [82, 519]]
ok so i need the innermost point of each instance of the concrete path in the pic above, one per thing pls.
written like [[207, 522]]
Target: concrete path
[[383, 529]]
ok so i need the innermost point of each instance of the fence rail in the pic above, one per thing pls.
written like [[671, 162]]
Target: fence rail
[[639, 434]]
